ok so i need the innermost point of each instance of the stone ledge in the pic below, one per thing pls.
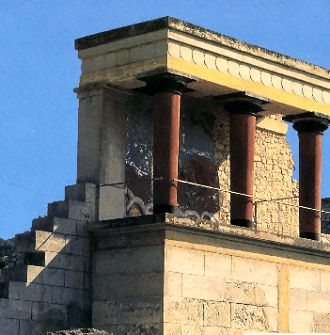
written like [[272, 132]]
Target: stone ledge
[[169, 226]]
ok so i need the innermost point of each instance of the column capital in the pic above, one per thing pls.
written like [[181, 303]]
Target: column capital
[[242, 102], [165, 82], [309, 122]]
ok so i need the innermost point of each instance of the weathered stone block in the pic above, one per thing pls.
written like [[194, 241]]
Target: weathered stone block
[[302, 278], [148, 286], [67, 261], [77, 246], [77, 279], [183, 311], [45, 312], [69, 296], [298, 299], [131, 260], [64, 226], [126, 313], [9, 326], [46, 241], [218, 265], [15, 309], [46, 276], [300, 321], [30, 291], [183, 260], [202, 287], [254, 317], [173, 284], [254, 271], [216, 314]]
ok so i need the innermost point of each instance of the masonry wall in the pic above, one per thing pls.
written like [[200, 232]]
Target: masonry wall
[[204, 158], [177, 280]]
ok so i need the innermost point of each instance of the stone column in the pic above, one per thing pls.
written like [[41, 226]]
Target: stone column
[[166, 90], [242, 108], [310, 127]]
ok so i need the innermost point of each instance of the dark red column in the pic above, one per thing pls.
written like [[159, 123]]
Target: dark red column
[[166, 90], [310, 127], [242, 108]]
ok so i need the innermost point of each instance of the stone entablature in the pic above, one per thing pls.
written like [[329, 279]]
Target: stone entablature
[[219, 64]]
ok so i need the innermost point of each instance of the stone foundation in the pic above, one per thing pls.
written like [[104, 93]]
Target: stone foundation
[[173, 279]]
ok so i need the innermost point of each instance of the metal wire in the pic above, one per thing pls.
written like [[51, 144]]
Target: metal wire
[[247, 195]]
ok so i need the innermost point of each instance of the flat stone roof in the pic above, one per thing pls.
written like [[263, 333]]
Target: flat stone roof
[[198, 31]]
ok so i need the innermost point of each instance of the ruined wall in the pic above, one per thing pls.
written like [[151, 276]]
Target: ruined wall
[[204, 159]]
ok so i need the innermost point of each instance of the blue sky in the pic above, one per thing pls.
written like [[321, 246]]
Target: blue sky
[[39, 68]]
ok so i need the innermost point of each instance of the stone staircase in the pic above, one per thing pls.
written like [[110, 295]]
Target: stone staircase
[[45, 284]]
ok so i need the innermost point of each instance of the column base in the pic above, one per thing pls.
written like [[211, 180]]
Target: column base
[[311, 236], [241, 223], [162, 208]]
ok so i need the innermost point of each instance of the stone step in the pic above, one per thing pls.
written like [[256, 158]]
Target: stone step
[[72, 209], [15, 273], [38, 240], [43, 223], [60, 226]]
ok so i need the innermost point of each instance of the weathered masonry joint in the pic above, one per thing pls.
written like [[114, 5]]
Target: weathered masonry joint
[[185, 218]]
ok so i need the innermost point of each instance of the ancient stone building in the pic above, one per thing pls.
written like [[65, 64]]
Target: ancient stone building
[[185, 218]]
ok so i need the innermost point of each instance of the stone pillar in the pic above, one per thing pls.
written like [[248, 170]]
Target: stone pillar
[[310, 127], [166, 90], [242, 108]]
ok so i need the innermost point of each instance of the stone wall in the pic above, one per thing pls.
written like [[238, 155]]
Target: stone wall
[[204, 158], [176, 280]]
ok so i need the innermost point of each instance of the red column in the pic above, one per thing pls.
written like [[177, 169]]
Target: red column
[[310, 129], [242, 108], [242, 139], [166, 90]]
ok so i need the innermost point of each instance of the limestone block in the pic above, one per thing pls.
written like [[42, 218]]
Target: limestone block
[[81, 211], [302, 278], [64, 226], [202, 287], [67, 261], [218, 265], [298, 299], [300, 321], [254, 271], [183, 310], [9, 326], [29, 291], [112, 202], [216, 314], [266, 295], [69, 296], [128, 261], [322, 322], [240, 292], [82, 229], [173, 284], [35, 328], [318, 302], [81, 192], [45, 241], [46, 276], [77, 245], [126, 313], [183, 260], [254, 317], [15, 309], [45, 312], [148, 286], [325, 281], [77, 279]]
